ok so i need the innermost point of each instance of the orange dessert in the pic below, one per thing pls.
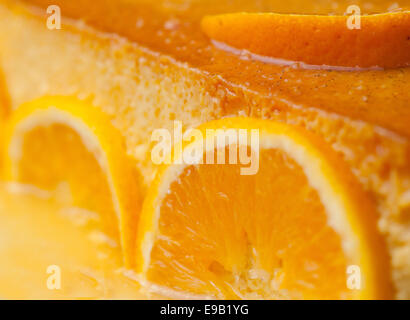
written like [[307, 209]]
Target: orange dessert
[[332, 194]]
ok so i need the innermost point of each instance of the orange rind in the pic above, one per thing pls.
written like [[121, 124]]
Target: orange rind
[[382, 40]]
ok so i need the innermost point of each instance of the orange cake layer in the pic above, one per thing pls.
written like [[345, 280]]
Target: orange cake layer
[[147, 63]]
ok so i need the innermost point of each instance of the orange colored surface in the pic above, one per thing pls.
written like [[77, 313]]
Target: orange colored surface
[[216, 239], [4, 99], [172, 27], [4, 111], [39, 233], [65, 202], [383, 40], [380, 97], [226, 235], [69, 149], [55, 159]]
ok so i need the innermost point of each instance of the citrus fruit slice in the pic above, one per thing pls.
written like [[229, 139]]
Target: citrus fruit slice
[[299, 227], [379, 40], [70, 149]]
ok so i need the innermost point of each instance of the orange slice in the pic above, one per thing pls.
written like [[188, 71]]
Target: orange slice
[[70, 149], [297, 229], [383, 40]]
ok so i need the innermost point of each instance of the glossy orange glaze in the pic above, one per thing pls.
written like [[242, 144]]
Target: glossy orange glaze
[[172, 27]]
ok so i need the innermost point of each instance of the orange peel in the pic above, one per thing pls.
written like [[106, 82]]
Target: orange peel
[[383, 40]]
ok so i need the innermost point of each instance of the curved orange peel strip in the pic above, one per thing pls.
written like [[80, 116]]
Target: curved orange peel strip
[[383, 40]]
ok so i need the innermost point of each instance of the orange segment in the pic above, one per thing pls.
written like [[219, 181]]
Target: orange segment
[[70, 149], [383, 40], [292, 231]]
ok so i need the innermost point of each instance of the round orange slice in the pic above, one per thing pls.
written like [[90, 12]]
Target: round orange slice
[[379, 40], [296, 226], [71, 150]]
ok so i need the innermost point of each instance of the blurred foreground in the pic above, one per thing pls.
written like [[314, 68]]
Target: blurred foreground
[[37, 235]]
